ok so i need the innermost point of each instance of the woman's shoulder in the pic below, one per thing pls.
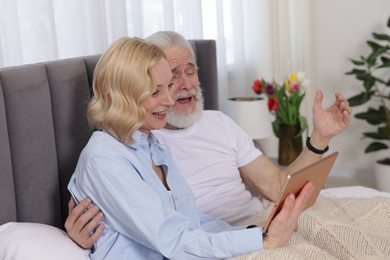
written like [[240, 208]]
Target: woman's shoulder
[[105, 147]]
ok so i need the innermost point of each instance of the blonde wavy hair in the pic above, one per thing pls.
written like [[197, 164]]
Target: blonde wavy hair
[[122, 81]]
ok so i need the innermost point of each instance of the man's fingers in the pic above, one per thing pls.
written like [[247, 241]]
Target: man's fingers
[[92, 224], [90, 232], [86, 217], [319, 96], [75, 213], [95, 235], [71, 204], [82, 224], [79, 209]]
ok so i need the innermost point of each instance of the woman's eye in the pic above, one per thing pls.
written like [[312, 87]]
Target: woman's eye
[[155, 93]]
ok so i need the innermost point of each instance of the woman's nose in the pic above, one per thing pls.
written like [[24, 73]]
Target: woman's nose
[[168, 100]]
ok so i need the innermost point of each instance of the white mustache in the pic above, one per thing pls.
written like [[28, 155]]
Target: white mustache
[[184, 94]]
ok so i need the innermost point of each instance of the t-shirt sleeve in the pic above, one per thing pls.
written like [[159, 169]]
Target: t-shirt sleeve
[[241, 141]]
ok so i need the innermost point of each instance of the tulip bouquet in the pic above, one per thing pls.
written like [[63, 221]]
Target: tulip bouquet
[[284, 100]]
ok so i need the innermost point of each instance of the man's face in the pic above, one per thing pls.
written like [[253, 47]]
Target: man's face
[[185, 90]]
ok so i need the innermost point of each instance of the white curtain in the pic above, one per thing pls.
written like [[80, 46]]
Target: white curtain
[[255, 38]]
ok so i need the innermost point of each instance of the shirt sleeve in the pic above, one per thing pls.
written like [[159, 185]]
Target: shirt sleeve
[[245, 148], [133, 208], [210, 224]]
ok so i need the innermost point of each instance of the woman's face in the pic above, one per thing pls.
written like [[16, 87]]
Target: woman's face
[[160, 101]]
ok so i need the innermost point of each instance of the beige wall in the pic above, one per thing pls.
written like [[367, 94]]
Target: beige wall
[[340, 30]]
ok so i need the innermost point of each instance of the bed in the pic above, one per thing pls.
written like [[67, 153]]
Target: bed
[[42, 131]]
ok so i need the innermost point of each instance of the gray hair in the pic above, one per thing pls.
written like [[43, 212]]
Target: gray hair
[[165, 39]]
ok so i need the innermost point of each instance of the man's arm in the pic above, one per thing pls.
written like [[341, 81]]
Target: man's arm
[[265, 179], [82, 224]]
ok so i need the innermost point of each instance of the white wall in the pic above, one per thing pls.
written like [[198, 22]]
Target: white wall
[[340, 31]]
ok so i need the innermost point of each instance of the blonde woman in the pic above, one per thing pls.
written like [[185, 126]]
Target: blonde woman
[[149, 209]]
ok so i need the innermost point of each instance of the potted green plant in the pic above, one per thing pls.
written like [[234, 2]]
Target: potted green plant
[[373, 71]]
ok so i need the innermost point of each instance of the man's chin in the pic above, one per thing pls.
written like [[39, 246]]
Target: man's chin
[[184, 115], [185, 120]]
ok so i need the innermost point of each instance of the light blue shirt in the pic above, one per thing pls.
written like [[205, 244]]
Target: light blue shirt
[[140, 222]]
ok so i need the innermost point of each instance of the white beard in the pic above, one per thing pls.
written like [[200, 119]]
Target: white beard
[[189, 118]]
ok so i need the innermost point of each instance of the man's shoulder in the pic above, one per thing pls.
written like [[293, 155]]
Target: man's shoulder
[[214, 115]]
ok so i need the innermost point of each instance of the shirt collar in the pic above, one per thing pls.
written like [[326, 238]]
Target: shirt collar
[[140, 139]]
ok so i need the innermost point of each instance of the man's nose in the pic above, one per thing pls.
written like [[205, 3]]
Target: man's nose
[[183, 82]]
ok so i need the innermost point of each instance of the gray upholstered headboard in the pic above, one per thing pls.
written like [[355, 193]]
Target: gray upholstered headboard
[[43, 129]]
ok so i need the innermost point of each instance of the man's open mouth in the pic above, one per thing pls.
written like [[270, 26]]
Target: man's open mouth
[[184, 100]]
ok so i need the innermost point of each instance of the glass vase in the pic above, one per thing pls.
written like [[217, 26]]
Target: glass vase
[[290, 145]]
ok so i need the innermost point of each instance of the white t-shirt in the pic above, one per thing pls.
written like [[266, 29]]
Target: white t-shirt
[[208, 155]]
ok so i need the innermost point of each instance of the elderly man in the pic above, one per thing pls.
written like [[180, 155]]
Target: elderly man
[[223, 160]]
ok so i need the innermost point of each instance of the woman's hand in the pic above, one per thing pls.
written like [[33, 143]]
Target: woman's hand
[[285, 223]]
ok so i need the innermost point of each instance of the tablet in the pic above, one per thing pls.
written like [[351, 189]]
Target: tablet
[[316, 172]]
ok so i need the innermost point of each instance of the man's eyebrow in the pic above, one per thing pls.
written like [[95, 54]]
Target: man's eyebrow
[[175, 69], [190, 64]]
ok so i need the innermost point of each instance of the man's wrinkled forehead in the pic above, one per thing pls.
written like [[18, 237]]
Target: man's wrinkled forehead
[[179, 58]]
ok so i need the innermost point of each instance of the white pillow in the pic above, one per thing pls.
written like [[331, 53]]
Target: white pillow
[[33, 241]]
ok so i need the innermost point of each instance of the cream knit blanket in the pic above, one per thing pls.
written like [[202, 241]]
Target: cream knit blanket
[[334, 228]]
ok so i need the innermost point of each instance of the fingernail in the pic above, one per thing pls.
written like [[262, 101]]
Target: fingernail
[[290, 198]]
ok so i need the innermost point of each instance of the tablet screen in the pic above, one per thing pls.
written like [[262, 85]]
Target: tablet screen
[[316, 172]]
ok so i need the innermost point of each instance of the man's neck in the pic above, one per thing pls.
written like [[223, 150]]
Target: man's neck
[[171, 127]]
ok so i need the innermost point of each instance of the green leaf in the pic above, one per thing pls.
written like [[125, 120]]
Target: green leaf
[[374, 45], [385, 59], [381, 37], [363, 76], [369, 82], [376, 52], [375, 135], [373, 116], [303, 123], [276, 126], [385, 63], [356, 72], [375, 146], [358, 62], [360, 98]]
